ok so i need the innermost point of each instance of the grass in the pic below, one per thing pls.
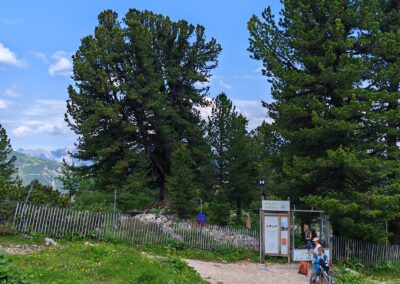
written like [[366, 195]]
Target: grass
[[21, 240], [381, 272], [384, 271], [120, 263], [102, 263], [218, 255]]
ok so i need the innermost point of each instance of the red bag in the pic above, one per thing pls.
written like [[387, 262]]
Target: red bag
[[303, 268]]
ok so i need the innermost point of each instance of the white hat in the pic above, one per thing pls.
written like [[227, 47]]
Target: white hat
[[315, 239]]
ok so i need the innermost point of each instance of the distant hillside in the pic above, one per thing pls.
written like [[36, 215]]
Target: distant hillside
[[58, 155], [30, 168]]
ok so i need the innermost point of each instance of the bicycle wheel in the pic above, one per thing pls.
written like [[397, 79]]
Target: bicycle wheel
[[328, 278]]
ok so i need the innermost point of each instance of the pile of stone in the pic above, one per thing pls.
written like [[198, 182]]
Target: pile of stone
[[223, 235]]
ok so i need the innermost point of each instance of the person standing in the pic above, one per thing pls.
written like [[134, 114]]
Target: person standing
[[320, 260], [316, 245], [309, 235]]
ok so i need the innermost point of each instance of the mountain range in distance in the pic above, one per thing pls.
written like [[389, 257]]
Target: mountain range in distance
[[43, 165], [57, 155]]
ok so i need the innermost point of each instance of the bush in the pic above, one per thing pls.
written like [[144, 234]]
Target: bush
[[8, 272], [384, 266], [7, 230], [354, 264], [350, 278], [173, 244]]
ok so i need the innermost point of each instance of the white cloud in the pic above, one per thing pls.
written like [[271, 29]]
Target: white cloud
[[47, 108], [43, 117], [11, 92], [41, 56], [253, 111], [55, 128], [21, 131], [8, 57], [225, 85], [62, 64], [205, 112], [3, 104]]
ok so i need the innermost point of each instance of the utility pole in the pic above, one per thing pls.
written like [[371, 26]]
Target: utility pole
[[29, 194], [261, 183], [26, 204]]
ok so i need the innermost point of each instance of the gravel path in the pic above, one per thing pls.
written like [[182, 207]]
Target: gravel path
[[248, 273], [20, 249]]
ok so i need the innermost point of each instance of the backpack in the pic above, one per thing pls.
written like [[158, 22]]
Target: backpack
[[314, 233], [303, 268]]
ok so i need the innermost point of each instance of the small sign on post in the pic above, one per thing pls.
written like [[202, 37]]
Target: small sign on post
[[276, 205], [201, 219]]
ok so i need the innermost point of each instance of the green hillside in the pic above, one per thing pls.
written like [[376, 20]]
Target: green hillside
[[30, 168]]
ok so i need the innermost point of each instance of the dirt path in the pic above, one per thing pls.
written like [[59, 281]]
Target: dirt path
[[248, 273], [20, 249]]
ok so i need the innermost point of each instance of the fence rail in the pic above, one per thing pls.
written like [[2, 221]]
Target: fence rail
[[61, 222], [367, 253]]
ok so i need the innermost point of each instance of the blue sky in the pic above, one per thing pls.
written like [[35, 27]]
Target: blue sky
[[37, 39]]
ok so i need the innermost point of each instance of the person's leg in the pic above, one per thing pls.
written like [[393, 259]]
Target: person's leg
[[313, 277]]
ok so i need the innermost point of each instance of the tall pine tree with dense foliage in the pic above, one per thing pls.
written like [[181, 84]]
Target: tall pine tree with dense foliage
[[233, 159], [382, 50], [7, 168], [181, 183], [330, 157], [135, 95]]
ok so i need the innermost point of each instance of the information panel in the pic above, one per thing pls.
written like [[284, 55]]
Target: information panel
[[304, 255], [284, 235], [276, 205], [271, 240]]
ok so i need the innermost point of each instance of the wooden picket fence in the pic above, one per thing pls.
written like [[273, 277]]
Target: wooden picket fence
[[366, 252], [63, 222]]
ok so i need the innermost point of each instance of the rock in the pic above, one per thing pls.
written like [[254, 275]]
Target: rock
[[352, 271], [89, 244], [50, 241]]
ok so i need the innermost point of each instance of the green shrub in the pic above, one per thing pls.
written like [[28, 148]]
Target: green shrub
[[174, 244], [7, 230], [346, 277], [354, 264], [8, 272], [384, 266]]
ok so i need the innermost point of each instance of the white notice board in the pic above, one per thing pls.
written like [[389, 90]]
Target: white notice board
[[284, 235], [271, 239], [304, 255]]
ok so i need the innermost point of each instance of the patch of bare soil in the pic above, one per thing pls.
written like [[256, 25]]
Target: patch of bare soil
[[21, 249]]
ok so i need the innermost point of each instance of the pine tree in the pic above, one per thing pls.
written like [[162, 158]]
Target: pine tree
[[181, 183], [331, 157], [7, 169], [135, 97], [234, 159], [218, 130], [382, 50]]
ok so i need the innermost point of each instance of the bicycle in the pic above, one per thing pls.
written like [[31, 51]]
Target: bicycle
[[325, 275]]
